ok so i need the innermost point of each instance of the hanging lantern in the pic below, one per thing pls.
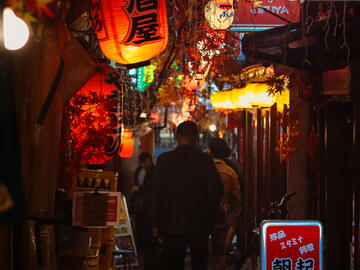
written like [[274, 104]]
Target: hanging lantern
[[93, 117], [258, 95], [219, 14], [127, 144], [240, 98], [130, 31], [221, 100], [253, 95]]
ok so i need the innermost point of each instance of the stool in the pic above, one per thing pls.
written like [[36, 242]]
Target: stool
[[125, 255]]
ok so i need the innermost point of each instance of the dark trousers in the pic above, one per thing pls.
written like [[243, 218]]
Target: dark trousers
[[175, 250]]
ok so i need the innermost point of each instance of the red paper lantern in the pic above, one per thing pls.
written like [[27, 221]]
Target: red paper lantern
[[127, 144], [130, 31], [91, 130]]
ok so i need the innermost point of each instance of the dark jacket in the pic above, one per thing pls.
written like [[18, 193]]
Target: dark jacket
[[186, 191], [140, 200]]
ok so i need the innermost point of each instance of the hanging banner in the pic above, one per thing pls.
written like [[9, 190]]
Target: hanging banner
[[291, 245], [253, 15]]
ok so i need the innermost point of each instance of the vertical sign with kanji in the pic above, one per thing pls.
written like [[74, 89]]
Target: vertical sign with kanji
[[291, 245]]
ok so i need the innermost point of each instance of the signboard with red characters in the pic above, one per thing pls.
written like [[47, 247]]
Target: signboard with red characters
[[291, 245], [253, 15]]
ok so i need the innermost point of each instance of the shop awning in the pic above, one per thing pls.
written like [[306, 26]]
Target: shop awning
[[312, 48]]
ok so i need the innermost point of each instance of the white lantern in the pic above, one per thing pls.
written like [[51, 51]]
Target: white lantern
[[219, 14]]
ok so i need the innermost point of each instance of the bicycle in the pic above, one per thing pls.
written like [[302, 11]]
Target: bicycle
[[278, 210]]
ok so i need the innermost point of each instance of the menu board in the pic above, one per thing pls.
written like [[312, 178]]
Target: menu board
[[100, 209]]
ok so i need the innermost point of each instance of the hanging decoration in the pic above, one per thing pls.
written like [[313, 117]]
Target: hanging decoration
[[219, 14], [127, 144], [40, 7], [93, 120], [130, 32], [32, 10], [286, 144]]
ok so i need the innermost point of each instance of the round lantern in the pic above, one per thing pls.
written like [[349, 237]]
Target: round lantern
[[258, 95], [130, 31], [221, 99], [127, 144], [89, 131], [219, 14], [239, 98]]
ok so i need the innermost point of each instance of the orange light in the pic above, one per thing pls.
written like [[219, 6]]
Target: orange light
[[258, 95], [127, 144], [253, 95], [282, 100], [130, 33], [240, 98], [221, 100]]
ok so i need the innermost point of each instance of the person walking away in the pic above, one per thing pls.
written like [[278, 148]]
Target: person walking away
[[186, 193], [218, 149], [140, 201], [238, 218]]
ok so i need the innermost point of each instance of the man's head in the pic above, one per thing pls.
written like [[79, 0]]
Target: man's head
[[187, 133], [145, 160], [218, 148]]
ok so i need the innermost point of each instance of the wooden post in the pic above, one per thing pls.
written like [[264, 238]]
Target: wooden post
[[276, 186], [249, 183]]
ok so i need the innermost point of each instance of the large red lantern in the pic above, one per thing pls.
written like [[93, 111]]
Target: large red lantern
[[130, 31], [94, 119]]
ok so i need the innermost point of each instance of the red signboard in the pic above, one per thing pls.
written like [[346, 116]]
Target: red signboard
[[249, 17], [291, 245]]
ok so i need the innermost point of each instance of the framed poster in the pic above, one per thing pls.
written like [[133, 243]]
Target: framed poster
[[88, 208]]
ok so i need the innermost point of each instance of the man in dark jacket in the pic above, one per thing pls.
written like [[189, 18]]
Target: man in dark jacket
[[186, 195], [140, 201]]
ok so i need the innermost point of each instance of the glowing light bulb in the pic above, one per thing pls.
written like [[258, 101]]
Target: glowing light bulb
[[212, 128], [15, 30]]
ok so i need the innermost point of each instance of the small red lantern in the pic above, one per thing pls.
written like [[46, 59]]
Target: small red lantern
[[130, 31], [127, 144], [92, 120]]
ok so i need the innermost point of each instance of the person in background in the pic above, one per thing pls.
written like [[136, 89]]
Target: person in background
[[219, 150], [238, 217], [186, 195], [140, 201]]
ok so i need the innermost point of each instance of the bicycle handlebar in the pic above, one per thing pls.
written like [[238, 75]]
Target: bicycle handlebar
[[285, 198]]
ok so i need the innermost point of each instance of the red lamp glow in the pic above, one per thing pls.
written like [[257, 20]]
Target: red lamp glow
[[130, 31], [127, 144]]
